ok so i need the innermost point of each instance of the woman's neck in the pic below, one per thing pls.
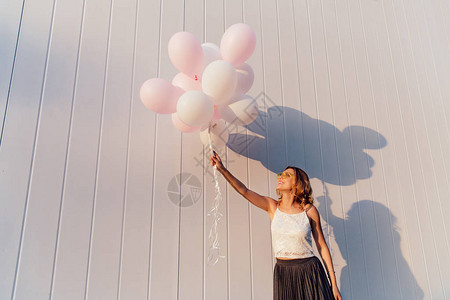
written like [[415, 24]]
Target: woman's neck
[[287, 200]]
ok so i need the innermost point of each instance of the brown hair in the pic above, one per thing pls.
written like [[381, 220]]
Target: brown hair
[[302, 188]]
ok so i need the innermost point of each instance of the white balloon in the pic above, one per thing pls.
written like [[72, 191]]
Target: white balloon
[[219, 81], [245, 77], [211, 52], [219, 134], [242, 112], [195, 108]]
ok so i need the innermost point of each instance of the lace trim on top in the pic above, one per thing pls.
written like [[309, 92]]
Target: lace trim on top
[[291, 235]]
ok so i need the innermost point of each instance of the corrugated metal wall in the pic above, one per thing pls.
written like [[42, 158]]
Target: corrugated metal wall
[[356, 92]]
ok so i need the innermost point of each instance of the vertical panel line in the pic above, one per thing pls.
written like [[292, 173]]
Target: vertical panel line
[[63, 190], [397, 172], [404, 138], [298, 82], [381, 158], [442, 12], [224, 14], [227, 203], [397, 176], [227, 209], [127, 163], [316, 106], [441, 98], [407, 154], [248, 184], [154, 157], [250, 217], [335, 128], [36, 136], [281, 79], [330, 94], [203, 185], [94, 202], [351, 142], [445, 118], [203, 221], [12, 73], [181, 183], [182, 179], [350, 138], [428, 140], [264, 97]]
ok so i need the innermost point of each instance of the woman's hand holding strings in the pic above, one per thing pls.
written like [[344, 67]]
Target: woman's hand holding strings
[[216, 161]]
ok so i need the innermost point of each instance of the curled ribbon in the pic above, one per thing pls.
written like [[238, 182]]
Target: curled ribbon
[[214, 248]]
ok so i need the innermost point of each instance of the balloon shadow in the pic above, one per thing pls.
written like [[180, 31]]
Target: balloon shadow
[[284, 136]]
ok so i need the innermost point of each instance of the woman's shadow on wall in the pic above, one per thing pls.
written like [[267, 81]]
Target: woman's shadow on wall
[[282, 136], [376, 268]]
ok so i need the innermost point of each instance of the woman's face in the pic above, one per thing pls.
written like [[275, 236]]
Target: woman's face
[[285, 180]]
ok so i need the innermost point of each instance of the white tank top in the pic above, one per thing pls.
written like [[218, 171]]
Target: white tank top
[[291, 235]]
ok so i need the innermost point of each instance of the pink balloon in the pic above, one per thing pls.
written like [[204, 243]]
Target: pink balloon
[[237, 44], [186, 53], [187, 83], [180, 125], [160, 96]]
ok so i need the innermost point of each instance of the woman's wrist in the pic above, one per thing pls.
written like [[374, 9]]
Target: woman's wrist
[[222, 169]]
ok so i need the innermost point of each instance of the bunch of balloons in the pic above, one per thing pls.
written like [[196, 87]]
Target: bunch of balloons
[[209, 92]]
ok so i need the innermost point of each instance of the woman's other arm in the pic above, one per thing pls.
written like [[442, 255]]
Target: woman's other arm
[[322, 247]]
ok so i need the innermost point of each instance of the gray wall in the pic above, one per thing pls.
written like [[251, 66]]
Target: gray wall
[[356, 92]]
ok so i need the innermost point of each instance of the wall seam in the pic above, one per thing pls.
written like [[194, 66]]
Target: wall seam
[[12, 73], [382, 163], [429, 144], [404, 138], [155, 138], [36, 135], [94, 202], [63, 190], [127, 163]]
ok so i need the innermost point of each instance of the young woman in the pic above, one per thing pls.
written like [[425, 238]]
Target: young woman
[[298, 273]]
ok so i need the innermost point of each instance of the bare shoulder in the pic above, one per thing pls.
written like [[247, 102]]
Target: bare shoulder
[[310, 207], [312, 212]]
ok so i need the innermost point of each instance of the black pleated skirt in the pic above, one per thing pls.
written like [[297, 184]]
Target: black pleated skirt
[[301, 279]]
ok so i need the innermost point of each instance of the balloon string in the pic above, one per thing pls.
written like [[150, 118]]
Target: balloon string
[[214, 248]]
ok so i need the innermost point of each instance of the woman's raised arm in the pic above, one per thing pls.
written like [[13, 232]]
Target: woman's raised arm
[[254, 198]]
